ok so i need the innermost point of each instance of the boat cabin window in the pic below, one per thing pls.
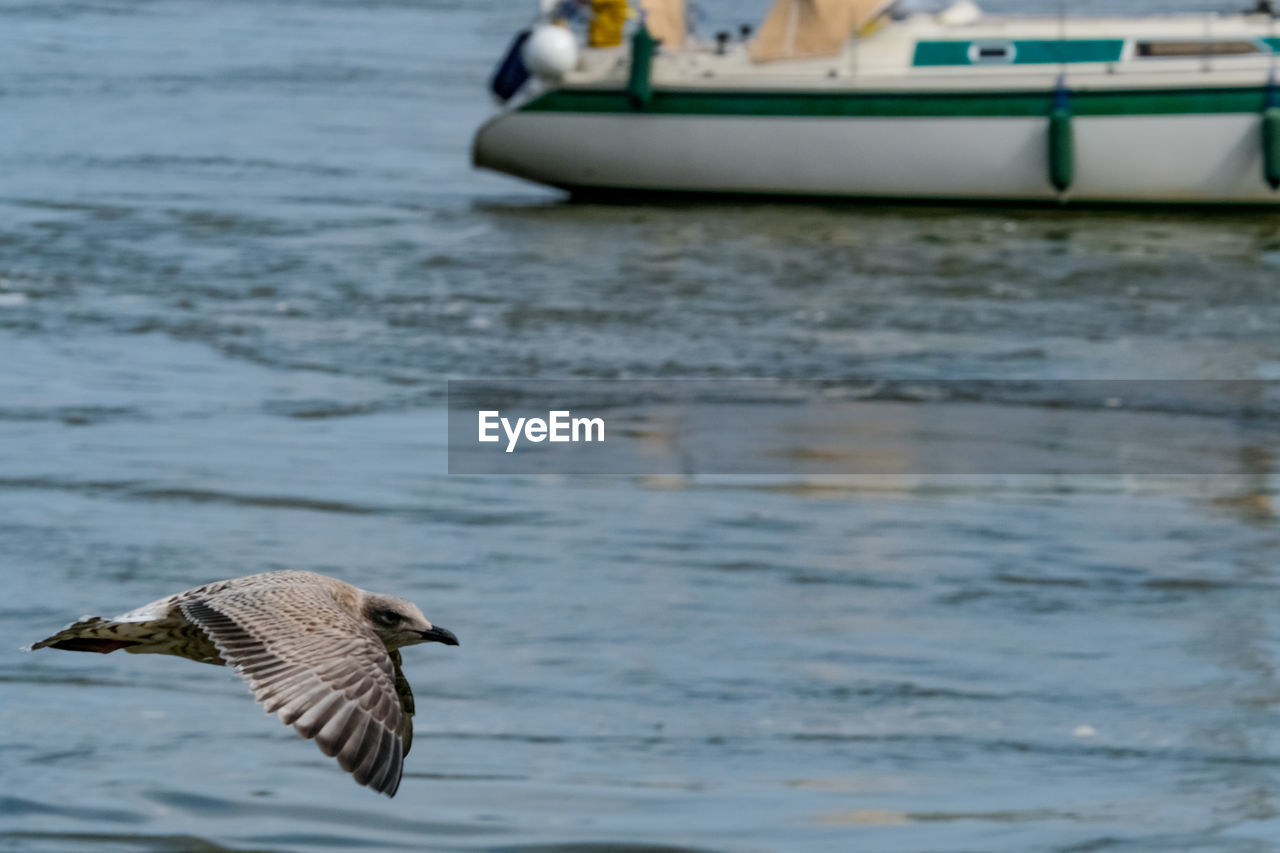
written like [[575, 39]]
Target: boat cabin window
[[992, 52], [1173, 49]]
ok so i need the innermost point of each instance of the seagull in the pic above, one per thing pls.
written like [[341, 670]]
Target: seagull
[[319, 653]]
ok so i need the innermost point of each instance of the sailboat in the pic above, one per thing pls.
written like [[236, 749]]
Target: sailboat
[[848, 99]]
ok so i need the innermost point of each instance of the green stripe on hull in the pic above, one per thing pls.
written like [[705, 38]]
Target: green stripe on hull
[[1130, 102], [1022, 52]]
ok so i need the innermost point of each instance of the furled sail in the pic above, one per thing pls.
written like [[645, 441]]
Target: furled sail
[[665, 19], [802, 28]]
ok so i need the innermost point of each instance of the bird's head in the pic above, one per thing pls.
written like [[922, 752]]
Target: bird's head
[[400, 623]]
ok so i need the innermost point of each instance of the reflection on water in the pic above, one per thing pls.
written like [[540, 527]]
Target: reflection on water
[[241, 251]]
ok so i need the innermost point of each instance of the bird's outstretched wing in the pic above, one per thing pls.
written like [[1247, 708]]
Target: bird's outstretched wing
[[319, 669]]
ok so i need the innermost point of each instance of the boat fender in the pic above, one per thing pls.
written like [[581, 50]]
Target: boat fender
[[551, 52], [640, 83], [511, 73], [1271, 134], [1062, 143], [1271, 146]]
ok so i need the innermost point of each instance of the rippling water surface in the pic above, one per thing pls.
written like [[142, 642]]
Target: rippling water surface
[[241, 250]]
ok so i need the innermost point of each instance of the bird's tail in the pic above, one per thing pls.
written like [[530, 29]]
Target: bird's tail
[[93, 634]]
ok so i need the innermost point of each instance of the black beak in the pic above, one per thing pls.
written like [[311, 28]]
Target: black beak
[[439, 635]]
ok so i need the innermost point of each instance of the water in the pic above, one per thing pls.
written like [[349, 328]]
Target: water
[[241, 250]]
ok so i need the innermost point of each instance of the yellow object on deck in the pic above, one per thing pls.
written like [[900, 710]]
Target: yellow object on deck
[[664, 19], [607, 20]]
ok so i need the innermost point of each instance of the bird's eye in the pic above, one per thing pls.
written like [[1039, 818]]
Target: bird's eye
[[387, 617]]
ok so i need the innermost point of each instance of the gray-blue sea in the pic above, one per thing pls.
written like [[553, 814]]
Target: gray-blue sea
[[242, 250]]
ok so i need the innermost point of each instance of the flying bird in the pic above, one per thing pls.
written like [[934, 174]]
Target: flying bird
[[321, 654]]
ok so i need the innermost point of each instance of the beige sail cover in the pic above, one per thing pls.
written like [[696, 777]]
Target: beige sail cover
[[804, 28], [665, 19]]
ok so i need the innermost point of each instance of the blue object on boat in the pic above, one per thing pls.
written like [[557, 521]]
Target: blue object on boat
[[511, 74]]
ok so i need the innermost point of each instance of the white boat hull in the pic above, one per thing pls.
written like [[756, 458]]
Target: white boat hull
[[1199, 159]]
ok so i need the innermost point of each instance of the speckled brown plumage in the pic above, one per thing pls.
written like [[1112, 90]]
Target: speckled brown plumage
[[317, 652]]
